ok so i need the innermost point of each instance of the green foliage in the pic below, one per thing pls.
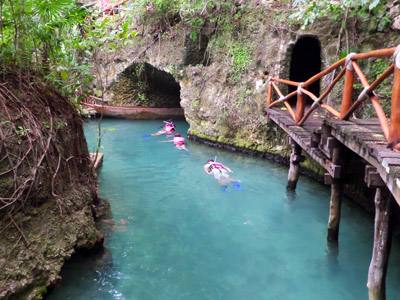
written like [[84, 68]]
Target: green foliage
[[195, 24], [241, 59], [165, 6], [57, 38], [378, 67], [195, 14], [307, 12], [384, 90]]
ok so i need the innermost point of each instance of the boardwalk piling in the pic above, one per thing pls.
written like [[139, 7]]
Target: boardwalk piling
[[294, 168], [381, 248], [336, 199], [334, 210]]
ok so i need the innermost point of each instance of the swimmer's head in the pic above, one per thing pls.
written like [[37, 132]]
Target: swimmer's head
[[209, 161], [178, 135]]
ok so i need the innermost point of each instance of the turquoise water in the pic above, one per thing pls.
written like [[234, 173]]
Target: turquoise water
[[187, 239]]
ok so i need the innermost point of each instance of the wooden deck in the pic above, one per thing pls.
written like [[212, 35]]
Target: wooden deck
[[363, 137]]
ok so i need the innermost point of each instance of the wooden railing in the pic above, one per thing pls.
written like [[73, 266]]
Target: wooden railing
[[350, 70]]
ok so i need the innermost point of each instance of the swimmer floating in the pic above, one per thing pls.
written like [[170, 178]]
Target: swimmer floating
[[179, 142], [168, 129], [221, 174]]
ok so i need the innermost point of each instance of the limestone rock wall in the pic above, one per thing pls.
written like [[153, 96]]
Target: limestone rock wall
[[52, 233], [224, 98]]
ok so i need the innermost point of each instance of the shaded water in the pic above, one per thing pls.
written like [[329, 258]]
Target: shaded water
[[187, 239]]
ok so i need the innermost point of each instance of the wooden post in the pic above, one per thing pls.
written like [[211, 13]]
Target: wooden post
[[294, 168], [394, 133], [334, 210], [381, 249], [269, 93], [336, 198], [348, 86], [300, 104]]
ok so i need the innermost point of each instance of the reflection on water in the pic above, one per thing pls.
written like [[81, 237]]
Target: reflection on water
[[183, 238]]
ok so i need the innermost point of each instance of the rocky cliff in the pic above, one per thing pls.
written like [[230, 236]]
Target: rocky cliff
[[47, 189]]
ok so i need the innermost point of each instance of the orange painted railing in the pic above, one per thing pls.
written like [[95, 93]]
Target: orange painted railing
[[350, 70]]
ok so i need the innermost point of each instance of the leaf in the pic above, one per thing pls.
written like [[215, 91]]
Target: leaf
[[64, 75], [374, 4]]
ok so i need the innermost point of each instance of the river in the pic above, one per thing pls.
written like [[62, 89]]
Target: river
[[186, 238]]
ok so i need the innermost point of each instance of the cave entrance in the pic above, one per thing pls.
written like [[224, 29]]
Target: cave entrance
[[141, 84], [305, 61]]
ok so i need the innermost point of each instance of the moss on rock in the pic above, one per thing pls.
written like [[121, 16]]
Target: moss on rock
[[53, 232]]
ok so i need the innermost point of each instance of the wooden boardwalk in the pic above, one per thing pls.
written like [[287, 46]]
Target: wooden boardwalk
[[345, 147], [363, 137], [325, 139]]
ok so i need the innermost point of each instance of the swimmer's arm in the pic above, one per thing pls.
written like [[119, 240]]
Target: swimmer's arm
[[160, 132], [229, 170]]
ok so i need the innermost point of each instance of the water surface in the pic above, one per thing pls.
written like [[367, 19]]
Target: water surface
[[187, 239]]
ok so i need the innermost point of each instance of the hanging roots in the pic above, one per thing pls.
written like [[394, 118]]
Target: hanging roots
[[42, 148]]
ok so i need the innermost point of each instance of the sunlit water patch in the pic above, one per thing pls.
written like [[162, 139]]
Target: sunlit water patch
[[185, 238]]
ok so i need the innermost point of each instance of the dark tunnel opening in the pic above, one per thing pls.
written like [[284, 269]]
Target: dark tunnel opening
[[305, 62], [161, 84], [142, 84]]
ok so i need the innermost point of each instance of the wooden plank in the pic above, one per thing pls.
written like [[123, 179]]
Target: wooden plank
[[388, 154], [390, 161], [353, 129], [380, 150], [374, 128], [362, 137], [336, 123], [373, 121], [286, 120]]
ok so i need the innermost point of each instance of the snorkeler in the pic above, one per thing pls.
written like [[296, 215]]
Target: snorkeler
[[220, 172], [179, 142], [168, 129]]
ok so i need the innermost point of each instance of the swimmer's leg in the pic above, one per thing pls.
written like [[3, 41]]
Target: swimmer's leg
[[226, 180], [224, 188], [236, 185]]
